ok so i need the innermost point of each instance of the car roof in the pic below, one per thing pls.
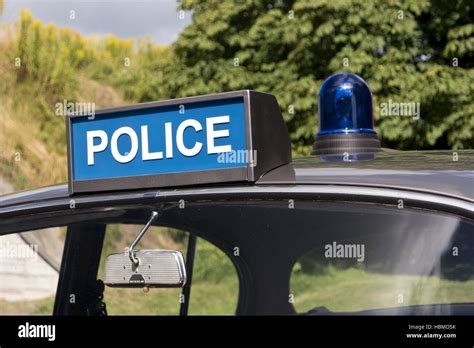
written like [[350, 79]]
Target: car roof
[[442, 172], [423, 171]]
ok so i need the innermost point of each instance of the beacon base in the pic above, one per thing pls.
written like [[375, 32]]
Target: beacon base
[[348, 146]]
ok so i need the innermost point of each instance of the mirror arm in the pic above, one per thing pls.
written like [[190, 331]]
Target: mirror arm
[[131, 253]]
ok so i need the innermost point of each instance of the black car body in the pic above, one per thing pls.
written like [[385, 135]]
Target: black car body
[[409, 210]]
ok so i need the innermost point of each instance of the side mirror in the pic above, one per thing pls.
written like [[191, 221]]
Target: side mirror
[[155, 269]]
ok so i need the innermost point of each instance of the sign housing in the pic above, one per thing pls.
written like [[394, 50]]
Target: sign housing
[[219, 138]]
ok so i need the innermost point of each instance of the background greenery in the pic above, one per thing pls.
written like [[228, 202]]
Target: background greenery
[[408, 51], [406, 59], [405, 50]]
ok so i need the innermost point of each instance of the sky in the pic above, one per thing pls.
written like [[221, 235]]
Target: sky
[[159, 19]]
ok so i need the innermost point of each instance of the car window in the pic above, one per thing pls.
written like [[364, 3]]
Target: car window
[[386, 261], [29, 271], [214, 288]]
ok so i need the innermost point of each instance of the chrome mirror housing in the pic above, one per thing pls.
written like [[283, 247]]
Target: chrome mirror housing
[[154, 269]]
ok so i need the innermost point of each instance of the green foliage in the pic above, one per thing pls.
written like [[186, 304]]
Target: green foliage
[[42, 65], [46, 61], [140, 80], [407, 51], [49, 56]]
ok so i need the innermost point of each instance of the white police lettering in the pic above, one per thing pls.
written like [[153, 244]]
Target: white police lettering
[[180, 135], [130, 153], [169, 141], [146, 155], [91, 148], [213, 134], [133, 148]]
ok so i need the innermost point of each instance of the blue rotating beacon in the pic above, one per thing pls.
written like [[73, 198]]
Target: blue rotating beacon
[[346, 122]]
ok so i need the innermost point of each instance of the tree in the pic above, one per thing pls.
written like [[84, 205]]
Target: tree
[[409, 52]]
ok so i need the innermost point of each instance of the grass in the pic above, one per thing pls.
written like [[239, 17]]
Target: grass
[[207, 298], [346, 290], [30, 157], [215, 291], [36, 307]]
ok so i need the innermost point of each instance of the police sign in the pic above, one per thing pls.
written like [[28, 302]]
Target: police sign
[[223, 137]]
